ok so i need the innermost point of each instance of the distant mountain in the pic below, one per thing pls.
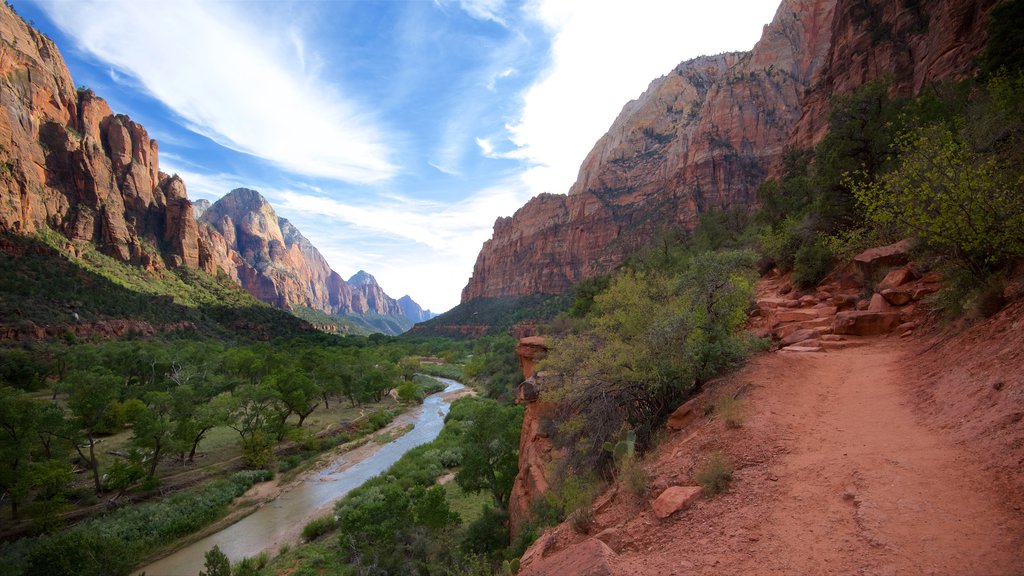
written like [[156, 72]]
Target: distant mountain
[[277, 264], [413, 311]]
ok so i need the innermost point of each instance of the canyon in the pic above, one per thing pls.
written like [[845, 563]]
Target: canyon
[[707, 134], [68, 163]]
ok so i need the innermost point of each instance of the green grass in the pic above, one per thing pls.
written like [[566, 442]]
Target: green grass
[[468, 505]]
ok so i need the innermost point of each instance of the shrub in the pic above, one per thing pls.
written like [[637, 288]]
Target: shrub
[[217, 563], [318, 527], [488, 533], [960, 203], [811, 263], [715, 475], [582, 520]]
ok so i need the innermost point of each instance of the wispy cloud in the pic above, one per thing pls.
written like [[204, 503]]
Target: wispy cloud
[[487, 10], [246, 85]]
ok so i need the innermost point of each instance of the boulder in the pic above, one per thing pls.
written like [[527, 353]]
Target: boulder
[[897, 296], [897, 277], [674, 499], [588, 558], [686, 414], [873, 259], [799, 336], [879, 304], [866, 323]]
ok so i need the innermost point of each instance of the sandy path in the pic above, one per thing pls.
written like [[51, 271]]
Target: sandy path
[[835, 474], [866, 488]]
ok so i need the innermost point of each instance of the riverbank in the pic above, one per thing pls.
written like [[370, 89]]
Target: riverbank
[[276, 512]]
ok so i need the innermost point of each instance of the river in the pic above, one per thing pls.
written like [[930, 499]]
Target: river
[[281, 521]]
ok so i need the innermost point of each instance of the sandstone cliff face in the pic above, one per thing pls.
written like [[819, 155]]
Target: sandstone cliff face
[[912, 44], [710, 132], [67, 162], [273, 261], [702, 137]]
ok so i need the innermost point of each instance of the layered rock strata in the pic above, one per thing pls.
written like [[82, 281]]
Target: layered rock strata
[[67, 162]]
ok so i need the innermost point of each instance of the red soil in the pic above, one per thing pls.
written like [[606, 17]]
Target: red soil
[[903, 456]]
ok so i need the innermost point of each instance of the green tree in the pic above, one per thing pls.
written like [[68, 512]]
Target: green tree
[[19, 416], [91, 398], [491, 448], [957, 201], [217, 563]]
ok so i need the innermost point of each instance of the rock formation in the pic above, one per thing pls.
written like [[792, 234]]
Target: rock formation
[[67, 162], [706, 135], [273, 261], [702, 137], [413, 311]]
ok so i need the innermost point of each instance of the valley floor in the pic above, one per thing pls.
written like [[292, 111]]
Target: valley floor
[[897, 457]]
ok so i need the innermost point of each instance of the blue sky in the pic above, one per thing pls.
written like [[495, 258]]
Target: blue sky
[[391, 133]]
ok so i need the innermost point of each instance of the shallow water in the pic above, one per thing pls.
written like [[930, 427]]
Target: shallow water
[[281, 521]]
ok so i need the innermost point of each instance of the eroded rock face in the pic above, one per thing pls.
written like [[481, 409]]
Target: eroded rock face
[[707, 134], [273, 261], [912, 44], [67, 162], [536, 449], [702, 137]]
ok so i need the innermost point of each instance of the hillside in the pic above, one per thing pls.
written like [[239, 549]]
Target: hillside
[[70, 165], [898, 455]]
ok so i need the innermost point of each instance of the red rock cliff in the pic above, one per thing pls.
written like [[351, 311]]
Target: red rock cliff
[[67, 162], [702, 137], [706, 135]]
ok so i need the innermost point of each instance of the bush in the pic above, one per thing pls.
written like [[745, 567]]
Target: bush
[[633, 476], [489, 533], [318, 527], [811, 263], [960, 203], [451, 458], [715, 475]]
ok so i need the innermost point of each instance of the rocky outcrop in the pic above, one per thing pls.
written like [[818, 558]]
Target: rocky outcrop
[[707, 134], [536, 451], [67, 162], [700, 138]]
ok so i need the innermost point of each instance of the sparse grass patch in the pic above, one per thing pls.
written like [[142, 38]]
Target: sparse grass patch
[[633, 477], [730, 410], [715, 475]]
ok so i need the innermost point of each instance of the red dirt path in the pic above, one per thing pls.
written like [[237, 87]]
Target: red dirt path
[[898, 457]]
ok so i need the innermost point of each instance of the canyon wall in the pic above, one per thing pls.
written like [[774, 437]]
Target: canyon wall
[[707, 134], [67, 162]]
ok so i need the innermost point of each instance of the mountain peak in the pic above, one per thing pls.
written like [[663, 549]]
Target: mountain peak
[[362, 278]]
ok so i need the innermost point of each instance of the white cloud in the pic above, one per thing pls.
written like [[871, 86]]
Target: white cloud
[[423, 248], [487, 10], [248, 86], [492, 83], [605, 54]]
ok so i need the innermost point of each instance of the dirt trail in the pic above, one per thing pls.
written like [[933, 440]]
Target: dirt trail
[[836, 473], [865, 487]]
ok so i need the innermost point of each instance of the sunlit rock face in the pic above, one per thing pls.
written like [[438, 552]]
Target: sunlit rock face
[[69, 163], [708, 133]]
